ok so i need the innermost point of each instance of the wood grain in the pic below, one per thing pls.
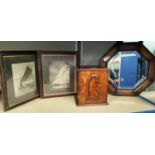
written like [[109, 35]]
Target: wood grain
[[92, 85]]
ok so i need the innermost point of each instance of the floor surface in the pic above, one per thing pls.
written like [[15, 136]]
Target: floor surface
[[67, 105]]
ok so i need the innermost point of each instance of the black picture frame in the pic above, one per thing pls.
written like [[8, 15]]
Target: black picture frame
[[18, 77], [48, 62]]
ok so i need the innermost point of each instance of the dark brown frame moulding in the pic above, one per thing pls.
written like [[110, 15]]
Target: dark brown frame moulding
[[3, 82], [147, 55]]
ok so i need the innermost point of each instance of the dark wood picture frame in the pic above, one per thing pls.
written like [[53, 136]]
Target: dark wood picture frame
[[147, 55], [41, 76], [3, 80]]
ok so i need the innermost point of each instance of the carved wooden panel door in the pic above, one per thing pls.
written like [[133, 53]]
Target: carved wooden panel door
[[92, 86]]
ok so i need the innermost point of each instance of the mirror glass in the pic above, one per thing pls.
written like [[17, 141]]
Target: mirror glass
[[127, 69]]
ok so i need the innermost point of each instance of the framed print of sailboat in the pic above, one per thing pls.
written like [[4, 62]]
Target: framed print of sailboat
[[19, 77], [57, 73]]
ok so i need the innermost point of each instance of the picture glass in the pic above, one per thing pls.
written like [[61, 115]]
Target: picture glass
[[24, 81], [127, 69], [21, 80], [59, 74]]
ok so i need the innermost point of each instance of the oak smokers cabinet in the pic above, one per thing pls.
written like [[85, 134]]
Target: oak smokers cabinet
[[92, 86]]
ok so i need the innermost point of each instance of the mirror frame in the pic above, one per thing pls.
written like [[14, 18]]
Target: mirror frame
[[143, 51]]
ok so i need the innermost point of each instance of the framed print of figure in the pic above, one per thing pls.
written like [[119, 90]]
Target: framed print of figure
[[19, 77], [57, 72]]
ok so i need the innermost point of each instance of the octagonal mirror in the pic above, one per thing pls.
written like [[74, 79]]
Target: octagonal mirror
[[131, 68], [127, 69]]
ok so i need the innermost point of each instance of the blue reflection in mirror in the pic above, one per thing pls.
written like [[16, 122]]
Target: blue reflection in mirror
[[127, 69]]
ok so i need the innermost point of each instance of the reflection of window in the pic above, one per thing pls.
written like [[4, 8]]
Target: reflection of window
[[114, 68]]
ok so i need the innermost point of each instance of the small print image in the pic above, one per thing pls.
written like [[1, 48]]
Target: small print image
[[23, 78], [59, 75]]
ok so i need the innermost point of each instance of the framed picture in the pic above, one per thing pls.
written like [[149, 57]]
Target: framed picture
[[57, 73], [19, 79]]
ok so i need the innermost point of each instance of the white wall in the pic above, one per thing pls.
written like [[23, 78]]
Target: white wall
[[150, 45]]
